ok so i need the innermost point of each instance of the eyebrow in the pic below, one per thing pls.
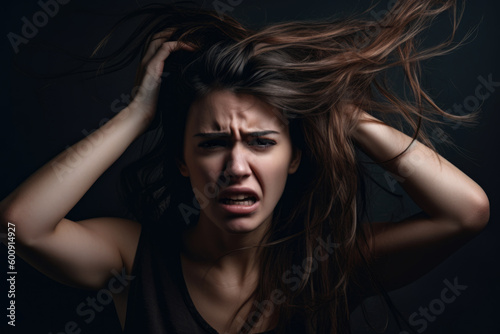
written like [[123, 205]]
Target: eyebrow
[[227, 134]]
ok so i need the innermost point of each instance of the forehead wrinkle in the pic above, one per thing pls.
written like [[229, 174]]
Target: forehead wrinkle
[[227, 114], [233, 112]]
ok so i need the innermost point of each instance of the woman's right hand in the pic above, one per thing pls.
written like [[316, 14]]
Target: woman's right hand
[[150, 72], [84, 253]]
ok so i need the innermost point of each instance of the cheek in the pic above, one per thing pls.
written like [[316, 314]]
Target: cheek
[[274, 174], [204, 172]]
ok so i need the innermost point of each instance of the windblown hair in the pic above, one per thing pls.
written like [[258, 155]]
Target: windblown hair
[[318, 74]]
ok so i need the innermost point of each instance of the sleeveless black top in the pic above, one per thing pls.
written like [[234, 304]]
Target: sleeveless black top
[[158, 300]]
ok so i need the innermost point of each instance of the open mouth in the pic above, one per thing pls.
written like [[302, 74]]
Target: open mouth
[[238, 200]]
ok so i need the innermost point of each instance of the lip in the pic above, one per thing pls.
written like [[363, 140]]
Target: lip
[[238, 209]]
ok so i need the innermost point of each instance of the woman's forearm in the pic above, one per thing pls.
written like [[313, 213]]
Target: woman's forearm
[[42, 200], [438, 187]]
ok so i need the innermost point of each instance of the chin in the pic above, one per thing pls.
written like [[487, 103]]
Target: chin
[[241, 226], [236, 224]]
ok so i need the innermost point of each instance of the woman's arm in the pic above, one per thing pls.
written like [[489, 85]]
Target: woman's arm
[[455, 206], [83, 253], [75, 253]]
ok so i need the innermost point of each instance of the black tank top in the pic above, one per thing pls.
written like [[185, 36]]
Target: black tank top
[[158, 300]]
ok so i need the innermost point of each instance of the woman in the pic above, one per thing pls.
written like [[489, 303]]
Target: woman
[[250, 201]]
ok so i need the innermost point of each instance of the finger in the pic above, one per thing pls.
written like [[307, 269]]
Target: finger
[[155, 65], [158, 43], [164, 33], [153, 47], [163, 52], [184, 46], [153, 68], [157, 40]]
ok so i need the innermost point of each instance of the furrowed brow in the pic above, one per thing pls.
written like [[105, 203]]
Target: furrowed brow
[[212, 135], [262, 133], [226, 134]]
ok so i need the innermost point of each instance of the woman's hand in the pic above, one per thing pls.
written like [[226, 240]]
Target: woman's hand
[[150, 71], [83, 253]]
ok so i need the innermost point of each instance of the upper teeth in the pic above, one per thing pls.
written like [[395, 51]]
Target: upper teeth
[[237, 197]]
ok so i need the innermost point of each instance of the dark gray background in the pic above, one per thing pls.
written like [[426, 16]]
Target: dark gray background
[[40, 120]]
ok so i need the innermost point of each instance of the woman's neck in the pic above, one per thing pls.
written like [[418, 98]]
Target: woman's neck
[[234, 255]]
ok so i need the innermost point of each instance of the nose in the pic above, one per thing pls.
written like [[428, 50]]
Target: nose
[[237, 164]]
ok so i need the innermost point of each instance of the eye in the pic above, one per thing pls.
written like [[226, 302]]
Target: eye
[[213, 143], [262, 142]]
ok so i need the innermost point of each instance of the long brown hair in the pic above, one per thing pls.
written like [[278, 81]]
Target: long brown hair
[[318, 74]]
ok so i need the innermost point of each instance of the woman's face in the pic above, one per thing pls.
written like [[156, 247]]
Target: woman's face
[[237, 154]]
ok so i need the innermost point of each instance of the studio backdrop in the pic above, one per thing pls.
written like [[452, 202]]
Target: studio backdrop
[[42, 116]]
